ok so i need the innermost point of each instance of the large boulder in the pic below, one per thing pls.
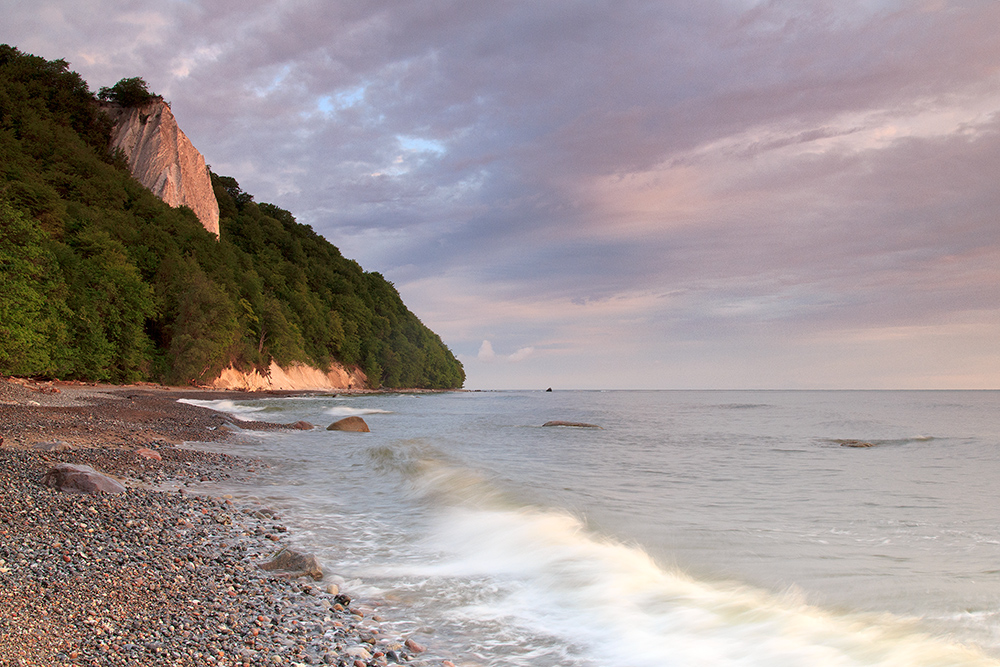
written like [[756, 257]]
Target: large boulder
[[293, 564], [353, 424], [573, 424], [78, 478]]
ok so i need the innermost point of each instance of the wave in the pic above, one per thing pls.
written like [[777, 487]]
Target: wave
[[344, 411], [549, 573], [244, 412]]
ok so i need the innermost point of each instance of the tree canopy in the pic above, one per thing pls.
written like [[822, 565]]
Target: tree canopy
[[100, 280], [131, 92]]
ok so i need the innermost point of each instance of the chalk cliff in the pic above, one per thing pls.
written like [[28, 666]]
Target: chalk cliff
[[296, 376], [163, 159]]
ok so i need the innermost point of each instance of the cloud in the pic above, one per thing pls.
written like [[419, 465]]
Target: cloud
[[713, 185], [487, 355], [486, 352]]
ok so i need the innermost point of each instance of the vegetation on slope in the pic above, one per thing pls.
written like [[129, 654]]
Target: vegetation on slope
[[100, 280]]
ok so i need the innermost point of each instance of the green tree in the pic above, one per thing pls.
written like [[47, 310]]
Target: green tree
[[101, 280], [205, 330], [32, 308], [130, 92]]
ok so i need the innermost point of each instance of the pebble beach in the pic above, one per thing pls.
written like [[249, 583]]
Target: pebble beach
[[158, 574]]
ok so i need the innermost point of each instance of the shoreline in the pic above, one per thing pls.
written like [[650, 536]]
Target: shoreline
[[155, 576]]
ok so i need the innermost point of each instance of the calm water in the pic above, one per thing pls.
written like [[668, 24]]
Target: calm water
[[694, 528]]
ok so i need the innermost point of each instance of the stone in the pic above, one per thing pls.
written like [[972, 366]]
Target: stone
[[53, 446], [414, 646], [855, 443], [78, 478], [163, 159], [352, 424], [301, 426], [574, 424], [292, 564], [358, 651], [146, 453]]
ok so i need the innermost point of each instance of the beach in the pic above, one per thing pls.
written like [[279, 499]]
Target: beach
[[158, 574], [691, 528]]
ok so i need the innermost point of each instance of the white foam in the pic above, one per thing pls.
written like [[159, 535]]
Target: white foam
[[620, 607], [229, 407], [344, 411]]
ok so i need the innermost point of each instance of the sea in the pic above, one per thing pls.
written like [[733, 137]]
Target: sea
[[691, 528]]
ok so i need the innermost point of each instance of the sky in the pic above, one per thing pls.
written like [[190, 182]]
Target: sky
[[661, 194]]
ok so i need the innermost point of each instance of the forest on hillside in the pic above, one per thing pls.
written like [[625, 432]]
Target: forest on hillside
[[102, 281]]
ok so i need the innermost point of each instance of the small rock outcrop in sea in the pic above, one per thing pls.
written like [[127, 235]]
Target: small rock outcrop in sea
[[162, 158], [574, 424], [352, 424], [292, 564], [77, 478], [855, 443], [301, 426]]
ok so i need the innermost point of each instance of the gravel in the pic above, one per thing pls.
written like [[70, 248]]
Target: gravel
[[152, 576]]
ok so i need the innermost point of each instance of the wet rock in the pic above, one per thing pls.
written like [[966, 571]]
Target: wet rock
[[302, 426], [574, 424], [358, 651], [352, 424], [292, 564], [855, 443], [414, 646], [76, 478]]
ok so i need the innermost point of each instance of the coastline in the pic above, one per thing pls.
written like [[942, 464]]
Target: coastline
[[156, 575]]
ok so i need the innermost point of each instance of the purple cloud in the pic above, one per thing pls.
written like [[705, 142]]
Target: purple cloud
[[711, 185]]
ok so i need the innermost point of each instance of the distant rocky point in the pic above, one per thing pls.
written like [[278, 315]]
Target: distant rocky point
[[559, 422]]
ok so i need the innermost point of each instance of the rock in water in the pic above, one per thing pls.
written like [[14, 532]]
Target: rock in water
[[293, 564], [576, 424], [414, 646], [855, 443], [162, 158], [353, 424], [301, 426], [78, 478]]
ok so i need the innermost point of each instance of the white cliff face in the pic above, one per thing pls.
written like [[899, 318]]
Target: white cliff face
[[164, 160], [296, 377]]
